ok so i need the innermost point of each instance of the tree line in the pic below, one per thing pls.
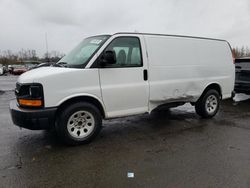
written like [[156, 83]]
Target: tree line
[[8, 57], [241, 51]]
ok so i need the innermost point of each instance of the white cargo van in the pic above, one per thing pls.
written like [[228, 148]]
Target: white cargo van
[[123, 74]]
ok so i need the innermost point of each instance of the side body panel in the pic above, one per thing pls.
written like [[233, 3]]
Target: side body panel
[[181, 68]]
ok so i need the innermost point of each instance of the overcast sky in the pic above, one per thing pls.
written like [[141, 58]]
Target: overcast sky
[[66, 22]]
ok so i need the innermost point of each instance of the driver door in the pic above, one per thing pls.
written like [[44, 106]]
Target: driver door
[[124, 84]]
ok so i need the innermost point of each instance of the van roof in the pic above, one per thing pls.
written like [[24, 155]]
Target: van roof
[[184, 36]]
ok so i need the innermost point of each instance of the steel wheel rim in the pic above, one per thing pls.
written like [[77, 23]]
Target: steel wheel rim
[[80, 124], [211, 104]]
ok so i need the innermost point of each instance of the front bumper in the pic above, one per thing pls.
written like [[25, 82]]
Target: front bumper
[[34, 119]]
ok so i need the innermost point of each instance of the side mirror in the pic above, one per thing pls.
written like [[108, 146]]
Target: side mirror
[[108, 57]]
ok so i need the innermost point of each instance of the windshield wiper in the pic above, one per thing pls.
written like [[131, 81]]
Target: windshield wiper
[[60, 64]]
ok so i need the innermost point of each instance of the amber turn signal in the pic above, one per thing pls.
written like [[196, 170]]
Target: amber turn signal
[[26, 102]]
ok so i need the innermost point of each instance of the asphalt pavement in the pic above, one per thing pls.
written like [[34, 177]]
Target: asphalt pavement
[[172, 148], [7, 83]]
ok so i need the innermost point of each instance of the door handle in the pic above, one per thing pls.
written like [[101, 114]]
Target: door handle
[[145, 74]]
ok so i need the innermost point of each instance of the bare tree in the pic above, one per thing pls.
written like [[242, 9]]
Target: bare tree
[[241, 52], [53, 56]]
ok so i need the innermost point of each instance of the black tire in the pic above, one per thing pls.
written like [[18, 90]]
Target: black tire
[[64, 117], [207, 110]]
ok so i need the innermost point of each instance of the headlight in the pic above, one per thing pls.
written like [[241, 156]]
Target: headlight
[[35, 91], [29, 95]]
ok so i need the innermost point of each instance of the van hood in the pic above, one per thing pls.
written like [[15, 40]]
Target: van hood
[[60, 84], [35, 75]]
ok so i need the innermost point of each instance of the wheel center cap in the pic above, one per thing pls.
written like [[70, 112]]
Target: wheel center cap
[[81, 122]]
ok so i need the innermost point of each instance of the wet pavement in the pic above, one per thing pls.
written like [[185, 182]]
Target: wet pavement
[[7, 83], [165, 149]]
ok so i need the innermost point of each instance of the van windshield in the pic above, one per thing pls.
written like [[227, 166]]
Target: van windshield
[[83, 52]]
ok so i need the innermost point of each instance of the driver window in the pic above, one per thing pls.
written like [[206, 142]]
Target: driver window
[[127, 51]]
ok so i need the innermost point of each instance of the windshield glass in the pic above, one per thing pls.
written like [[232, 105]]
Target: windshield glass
[[82, 53]]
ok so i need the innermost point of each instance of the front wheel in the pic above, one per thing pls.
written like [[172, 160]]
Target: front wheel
[[208, 105], [79, 123]]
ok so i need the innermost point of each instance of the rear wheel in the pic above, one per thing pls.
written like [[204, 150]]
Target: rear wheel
[[79, 123], [208, 105]]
